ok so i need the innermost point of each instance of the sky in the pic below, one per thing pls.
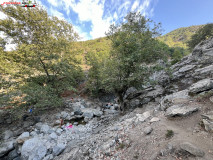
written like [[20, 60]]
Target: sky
[[92, 18]]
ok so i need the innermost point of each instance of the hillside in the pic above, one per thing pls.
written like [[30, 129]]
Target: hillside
[[180, 36], [175, 38]]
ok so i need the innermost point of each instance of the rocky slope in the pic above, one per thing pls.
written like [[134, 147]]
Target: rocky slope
[[172, 120]]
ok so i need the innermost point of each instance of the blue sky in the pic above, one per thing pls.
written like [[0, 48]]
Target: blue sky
[[92, 18]]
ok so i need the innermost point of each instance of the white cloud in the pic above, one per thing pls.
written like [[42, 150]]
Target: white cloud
[[115, 16], [83, 35], [143, 8], [135, 5], [101, 13], [92, 10], [56, 13], [53, 2]]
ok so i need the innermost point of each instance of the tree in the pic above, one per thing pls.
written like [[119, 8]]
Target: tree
[[44, 54], [202, 34], [134, 46]]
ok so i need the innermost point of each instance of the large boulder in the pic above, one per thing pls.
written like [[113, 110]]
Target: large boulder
[[200, 86], [90, 112], [175, 98], [180, 110], [34, 149], [192, 149]]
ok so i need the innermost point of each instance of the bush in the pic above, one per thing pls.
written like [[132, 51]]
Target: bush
[[40, 96], [169, 133]]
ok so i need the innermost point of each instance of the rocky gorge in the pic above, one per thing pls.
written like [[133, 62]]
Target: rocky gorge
[[169, 120]]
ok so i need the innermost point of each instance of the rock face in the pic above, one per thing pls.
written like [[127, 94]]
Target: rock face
[[192, 149], [179, 110]]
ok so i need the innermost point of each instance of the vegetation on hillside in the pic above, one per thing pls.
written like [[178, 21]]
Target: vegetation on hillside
[[203, 33], [180, 36]]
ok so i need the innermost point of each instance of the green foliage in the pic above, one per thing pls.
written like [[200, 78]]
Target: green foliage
[[177, 53], [96, 62], [41, 96], [180, 36], [169, 133], [134, 50], [203, 33], [44, 62]]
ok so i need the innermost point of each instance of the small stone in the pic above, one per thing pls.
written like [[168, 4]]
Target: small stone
[[154, 119], [57, 122], [192, 149], [59, 131], [148, 130], [53, 135]]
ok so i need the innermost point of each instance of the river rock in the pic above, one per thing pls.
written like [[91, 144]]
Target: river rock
[[192, 149], [34, 149]]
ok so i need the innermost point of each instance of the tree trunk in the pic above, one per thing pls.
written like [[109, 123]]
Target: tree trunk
[[45, 69]]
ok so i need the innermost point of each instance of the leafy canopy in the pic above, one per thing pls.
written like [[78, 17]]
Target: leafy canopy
[[43, 56], [134, 49]]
